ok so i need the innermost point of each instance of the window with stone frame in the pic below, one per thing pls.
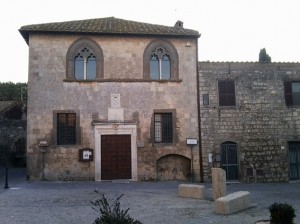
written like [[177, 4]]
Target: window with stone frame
[[226, 90], [160, 61], [163, 128], [66, 129], [292, 93], [160, 66], [85, 64], [84, 61]]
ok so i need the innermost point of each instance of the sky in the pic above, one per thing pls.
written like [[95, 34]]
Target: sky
[[231, 30]]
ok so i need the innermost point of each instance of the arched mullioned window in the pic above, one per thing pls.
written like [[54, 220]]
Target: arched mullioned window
[[160, 66], [84, 60], [160, 61]]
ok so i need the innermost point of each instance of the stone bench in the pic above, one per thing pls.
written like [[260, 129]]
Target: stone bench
[[191, 191], [234, 202]]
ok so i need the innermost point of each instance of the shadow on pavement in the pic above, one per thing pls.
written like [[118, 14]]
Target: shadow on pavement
[[15, 176]]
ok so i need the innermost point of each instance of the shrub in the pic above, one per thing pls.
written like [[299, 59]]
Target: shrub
[[110, 211], [282, 213]]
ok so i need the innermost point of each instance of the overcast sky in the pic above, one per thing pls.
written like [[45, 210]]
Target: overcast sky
[[231, 30]]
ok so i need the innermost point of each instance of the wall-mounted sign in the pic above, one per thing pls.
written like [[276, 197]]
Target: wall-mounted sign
[[191, 141], [86, 155], [43, 145]]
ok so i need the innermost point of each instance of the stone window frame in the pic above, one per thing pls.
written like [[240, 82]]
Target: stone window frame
[[174, 59], [78, 129], [174, 130], [218, 87], [73, 52]]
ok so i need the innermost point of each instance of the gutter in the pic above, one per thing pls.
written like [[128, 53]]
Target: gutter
[[199, 118]]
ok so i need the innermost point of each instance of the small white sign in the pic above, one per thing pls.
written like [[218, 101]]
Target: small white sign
[[43, 143], [86, 154], [191, 141]]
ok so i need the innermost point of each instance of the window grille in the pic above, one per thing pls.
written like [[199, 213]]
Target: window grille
[[163, 130], [66, 129]]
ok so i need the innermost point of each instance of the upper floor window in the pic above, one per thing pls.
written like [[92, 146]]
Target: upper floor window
[[85, 65], [160, 65], [292, 93], [84, 60], [226, 92], [160, 61]]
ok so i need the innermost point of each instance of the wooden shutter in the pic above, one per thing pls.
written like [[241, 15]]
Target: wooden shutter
[[288, 93], [226, 93]]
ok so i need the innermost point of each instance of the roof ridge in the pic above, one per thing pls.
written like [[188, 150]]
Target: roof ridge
[[107, 25]]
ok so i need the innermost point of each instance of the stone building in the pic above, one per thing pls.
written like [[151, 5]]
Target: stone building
[[111, 99], [250, 120]]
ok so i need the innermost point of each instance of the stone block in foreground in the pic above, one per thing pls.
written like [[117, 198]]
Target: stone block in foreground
[[218, 183], [191, 191], [232, 203]]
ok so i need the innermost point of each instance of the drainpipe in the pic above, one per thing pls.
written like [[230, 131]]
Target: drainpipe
[[199, 117]]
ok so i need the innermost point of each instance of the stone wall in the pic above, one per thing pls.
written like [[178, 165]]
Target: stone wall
[[260, 123], [123, 62], [11, 131]]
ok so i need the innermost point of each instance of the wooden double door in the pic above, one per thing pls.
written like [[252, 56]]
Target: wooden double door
[[115, 157]]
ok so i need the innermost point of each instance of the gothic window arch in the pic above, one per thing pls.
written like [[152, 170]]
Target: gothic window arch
[[84, 60], [160, 61]]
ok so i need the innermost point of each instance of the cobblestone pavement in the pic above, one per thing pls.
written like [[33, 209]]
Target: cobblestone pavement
[[149, 202]]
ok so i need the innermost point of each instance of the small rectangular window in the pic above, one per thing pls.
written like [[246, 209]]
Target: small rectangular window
[[66, 129], [163, 130], [292, 93], [205, 99], [226, 92]]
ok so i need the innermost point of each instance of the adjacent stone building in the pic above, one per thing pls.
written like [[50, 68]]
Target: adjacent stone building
[[111, 99], [250, 120]]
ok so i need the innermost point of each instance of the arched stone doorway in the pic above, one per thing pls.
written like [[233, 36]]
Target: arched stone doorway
[[173, 167], [229, 160]]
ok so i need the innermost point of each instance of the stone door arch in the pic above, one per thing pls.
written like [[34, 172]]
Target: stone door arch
[[173, 167]]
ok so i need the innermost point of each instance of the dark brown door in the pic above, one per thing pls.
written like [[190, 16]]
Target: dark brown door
[[115, 157]]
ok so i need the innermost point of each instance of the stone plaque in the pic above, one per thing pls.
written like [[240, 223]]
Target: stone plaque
[[115, 101]]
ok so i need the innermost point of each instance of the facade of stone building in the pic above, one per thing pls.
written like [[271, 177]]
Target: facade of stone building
[[250, 120], [111, 99]]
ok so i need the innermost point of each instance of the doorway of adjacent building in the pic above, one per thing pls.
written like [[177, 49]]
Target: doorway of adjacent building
[[115, 157], [229, 161], [294, 160]]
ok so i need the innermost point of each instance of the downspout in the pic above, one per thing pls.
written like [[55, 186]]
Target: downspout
[[199, 116]]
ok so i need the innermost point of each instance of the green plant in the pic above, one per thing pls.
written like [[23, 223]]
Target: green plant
[[110, 211], [282, 213], [263, 56]]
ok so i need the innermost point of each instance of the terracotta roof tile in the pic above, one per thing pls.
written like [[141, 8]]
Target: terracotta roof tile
[[109, 25]]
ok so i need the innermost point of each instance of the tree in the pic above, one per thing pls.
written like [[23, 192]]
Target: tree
[[13, 91], [263, 56]]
